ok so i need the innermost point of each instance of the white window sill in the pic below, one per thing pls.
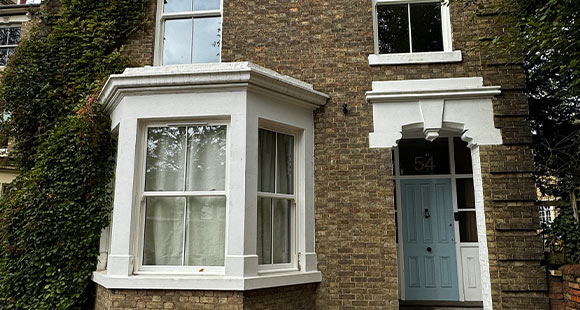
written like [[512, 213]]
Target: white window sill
[[414, 58], [222, 283]]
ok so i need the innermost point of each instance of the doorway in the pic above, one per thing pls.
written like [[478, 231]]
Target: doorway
[[438, 253]]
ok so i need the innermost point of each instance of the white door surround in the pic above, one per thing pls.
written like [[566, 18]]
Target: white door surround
[[460, 105]]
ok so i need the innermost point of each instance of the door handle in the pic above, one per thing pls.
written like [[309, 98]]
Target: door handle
[[427, 213], [429, 249]]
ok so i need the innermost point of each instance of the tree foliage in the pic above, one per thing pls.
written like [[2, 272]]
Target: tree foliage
[[53, 214], [548, 34]]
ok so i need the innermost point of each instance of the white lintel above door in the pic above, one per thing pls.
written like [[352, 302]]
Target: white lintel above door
[[462, 105]]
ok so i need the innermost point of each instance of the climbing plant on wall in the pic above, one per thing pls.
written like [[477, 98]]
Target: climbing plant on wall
[[52, 215]]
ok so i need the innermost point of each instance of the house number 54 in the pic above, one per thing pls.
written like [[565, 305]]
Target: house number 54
[[424, 163]]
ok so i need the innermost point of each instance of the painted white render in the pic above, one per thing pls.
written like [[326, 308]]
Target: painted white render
[[245, 97], [459, 104]]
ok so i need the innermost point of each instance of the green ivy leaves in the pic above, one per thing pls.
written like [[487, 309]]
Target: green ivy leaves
[[52, 217]]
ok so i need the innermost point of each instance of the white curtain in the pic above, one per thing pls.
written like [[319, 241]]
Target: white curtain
[[206, 227], [281, 231], [275, 175], [206, 158], [163, 244], [200, 221], [165, 165]]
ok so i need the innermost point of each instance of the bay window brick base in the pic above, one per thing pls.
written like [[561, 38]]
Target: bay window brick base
[[294, 297]]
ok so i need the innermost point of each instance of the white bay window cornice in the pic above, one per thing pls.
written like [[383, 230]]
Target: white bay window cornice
[[197, 77], [242, 98]]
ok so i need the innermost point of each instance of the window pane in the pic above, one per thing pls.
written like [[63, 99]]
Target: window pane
[[264, 249], [177, 41], [165, 164], [282, 231], [206, 158], [4, 56], [426, 27], [206, 5], [467, 227], [163, 242], [206, 39], [14, 35], [177, 6], [393, 32], [266, 160], [421, 157], [206, 231], [4, 33], [285, 163], [465, 195], [462, 157]]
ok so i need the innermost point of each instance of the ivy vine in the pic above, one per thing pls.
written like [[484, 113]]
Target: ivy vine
[[52, 216]]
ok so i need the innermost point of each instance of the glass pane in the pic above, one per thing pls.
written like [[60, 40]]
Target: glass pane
[[393, 32], [177, 6], [426, 27], [266, 160], [163, 242], [465, 195], [199, 5], [165, 164], [421, 157], [14, 36], [467, 227], [4, 56], [462, 157], [206, 231], [206, 158], [177, 41], [4, 33], [264, 249], [206, 39], [281, 233], [285, 163]]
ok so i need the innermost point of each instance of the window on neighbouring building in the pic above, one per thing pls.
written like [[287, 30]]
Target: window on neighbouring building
[[9, 38], [409, 27], [191, 31], [184, 196], [276, 198]]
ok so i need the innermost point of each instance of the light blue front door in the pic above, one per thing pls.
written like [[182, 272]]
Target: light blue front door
[[429, 240]]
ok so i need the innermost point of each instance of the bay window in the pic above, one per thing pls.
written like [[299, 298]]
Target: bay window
[[189, 31], [214, 182]]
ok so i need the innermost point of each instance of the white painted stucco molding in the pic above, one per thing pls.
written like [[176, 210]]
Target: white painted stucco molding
[[184, 78], [459, 104]]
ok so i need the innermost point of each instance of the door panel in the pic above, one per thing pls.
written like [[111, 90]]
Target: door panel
[[429, 240], [471, 273]]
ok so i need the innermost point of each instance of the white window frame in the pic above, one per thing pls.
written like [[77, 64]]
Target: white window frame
[[142, 195], [293, 264], [447, 55], [162, 17]]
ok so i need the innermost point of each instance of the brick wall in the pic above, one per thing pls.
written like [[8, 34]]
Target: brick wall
[[166, 299], [565, 288], [297, 297]]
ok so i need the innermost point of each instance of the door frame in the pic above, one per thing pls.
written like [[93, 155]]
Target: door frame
[[398, 203]]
